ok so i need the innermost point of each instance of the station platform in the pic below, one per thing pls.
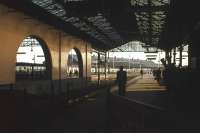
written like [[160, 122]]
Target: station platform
[[147, 90], [91, 115], [146, 83], [88, 116], [146, 101]]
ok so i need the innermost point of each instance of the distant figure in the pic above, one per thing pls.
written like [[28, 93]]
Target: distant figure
[[70, 73], [76, 73], [141, 73], [158, 75], [121, 81], [154, 73]]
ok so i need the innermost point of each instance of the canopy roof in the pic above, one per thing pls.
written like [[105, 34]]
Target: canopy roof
[[108, 24]]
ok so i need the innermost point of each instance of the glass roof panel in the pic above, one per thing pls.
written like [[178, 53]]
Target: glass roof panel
[[56, 9], [51, 7], [102, 24], [150, 18], [107, 32], [139, 2], [157, 2]]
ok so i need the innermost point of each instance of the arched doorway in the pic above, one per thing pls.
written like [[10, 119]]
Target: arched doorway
[[75, 64], [33, 61]]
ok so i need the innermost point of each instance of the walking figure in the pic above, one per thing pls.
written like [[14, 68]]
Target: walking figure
[[76, 73], [141, 73], [158, 75], [121, 81], [70, 73]]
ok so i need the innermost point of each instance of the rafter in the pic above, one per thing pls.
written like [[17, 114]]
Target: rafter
[[147, 8]]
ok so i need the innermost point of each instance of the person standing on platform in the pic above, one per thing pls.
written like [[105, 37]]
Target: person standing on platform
[[158, 75], [121, 81], [70, 73], [76, 73], [141, 73]]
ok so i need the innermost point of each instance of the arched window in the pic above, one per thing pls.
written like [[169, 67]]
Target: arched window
[[33, 60], [75, 64]]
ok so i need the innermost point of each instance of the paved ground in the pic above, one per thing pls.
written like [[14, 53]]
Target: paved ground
[[90, 116], [111, 76], [86, 117], [146, 83], [149, 91]]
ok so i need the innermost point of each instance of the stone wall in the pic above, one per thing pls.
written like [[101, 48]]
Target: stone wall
[[15, 27]]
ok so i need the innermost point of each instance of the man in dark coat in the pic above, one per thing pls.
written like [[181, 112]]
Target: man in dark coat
[[121, 81]]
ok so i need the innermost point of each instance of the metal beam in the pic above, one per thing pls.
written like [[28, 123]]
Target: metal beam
[[147, 8], [42, 15], [81, 9], [97, 29]]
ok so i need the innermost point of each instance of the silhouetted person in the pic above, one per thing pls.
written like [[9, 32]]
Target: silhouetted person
[[158, 75], [121, 81], [70, 73], [76, 73], [141, 73]]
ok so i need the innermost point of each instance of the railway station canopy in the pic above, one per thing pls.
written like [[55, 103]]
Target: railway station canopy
[[108, 24]]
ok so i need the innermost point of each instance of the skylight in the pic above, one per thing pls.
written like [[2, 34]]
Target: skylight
[[150, 18]]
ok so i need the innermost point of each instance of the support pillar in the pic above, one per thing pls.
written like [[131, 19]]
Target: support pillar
[[105, 65], [167, 57], [108, 62], [59, 59], [174, 57], [113, 62], [170, 57], [98, 68], [86, 61], [189, 55], [180, 57], [86, 65]]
